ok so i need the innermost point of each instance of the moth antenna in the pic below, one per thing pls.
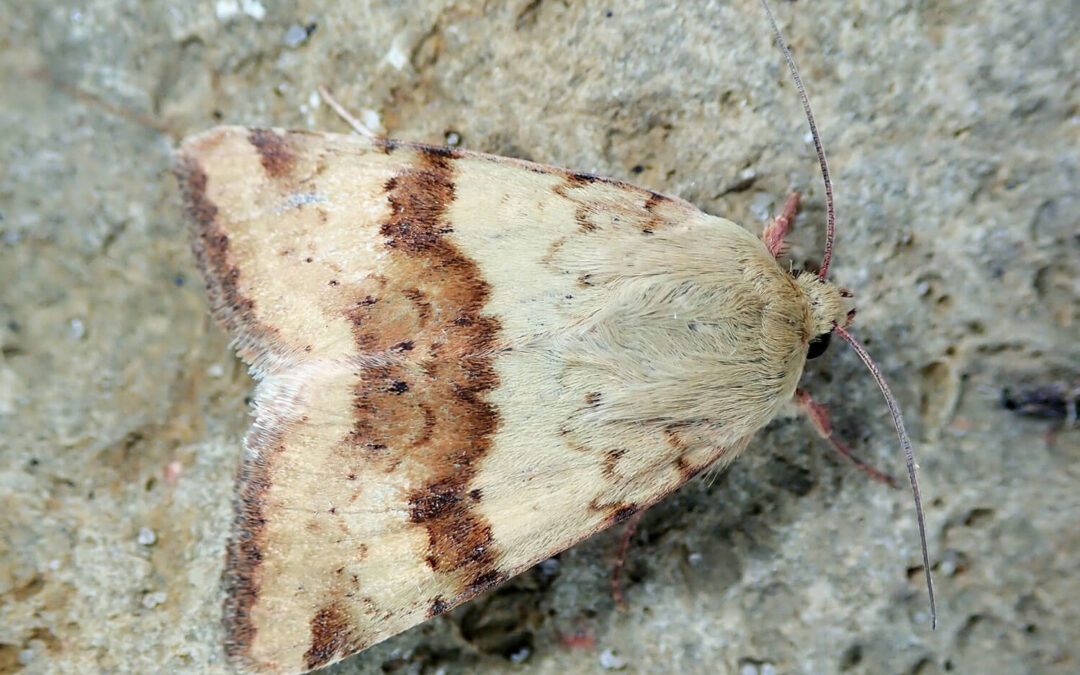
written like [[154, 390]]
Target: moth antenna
[[909, 455], [831, 218]]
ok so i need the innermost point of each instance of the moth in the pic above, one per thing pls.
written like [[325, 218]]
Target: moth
[[465, 365]]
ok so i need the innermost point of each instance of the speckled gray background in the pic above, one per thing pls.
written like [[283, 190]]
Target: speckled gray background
[[954, 133]]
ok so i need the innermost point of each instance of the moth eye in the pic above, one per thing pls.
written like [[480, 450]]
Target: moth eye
[[818, 345]]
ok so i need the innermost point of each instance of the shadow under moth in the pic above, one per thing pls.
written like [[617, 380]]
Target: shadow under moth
[[467, 364]]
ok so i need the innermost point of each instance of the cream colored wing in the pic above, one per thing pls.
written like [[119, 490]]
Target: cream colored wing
[[466, 364]]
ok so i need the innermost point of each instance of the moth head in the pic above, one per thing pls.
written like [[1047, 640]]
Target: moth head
[[829, 306]]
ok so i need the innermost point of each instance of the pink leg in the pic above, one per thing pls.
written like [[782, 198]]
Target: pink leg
[[819, 417], [777, 230], [620, 558]]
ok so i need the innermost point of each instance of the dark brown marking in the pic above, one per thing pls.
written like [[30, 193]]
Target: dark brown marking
[[423, 307], [611, 460], [585, 210], [579, 180], [484, 581], [549, 257], [236, 312], [440, 151], [592, 398], [618, 514], [330, 636], [387, 145], [210, 245], [686, 472], [438, 606], [430, 424], [473, 587], [244, 557], [425, 405], [274, 153], [458, 538], [673, 433], [611, 214], [654, 200], [585, 224]]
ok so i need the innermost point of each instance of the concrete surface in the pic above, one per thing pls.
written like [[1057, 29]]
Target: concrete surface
[[953, 130]]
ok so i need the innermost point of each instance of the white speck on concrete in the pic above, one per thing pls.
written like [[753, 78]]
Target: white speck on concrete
[[152, 600], [609, 660], [520, 655], [254, 9], [295, 36], [396, 57], [226, 9], [76, 330], [146, 537]]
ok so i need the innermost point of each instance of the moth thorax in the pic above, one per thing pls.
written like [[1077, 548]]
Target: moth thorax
[[826, 302]]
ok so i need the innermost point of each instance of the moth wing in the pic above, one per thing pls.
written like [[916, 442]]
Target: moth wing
[[441, 400]]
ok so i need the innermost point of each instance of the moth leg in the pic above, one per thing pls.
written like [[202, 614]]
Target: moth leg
[[344, 114], [777, 230], [620, 559], [819, 417]]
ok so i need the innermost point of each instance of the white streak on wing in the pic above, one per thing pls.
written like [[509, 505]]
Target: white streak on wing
[[298, 199], [280, 400]]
